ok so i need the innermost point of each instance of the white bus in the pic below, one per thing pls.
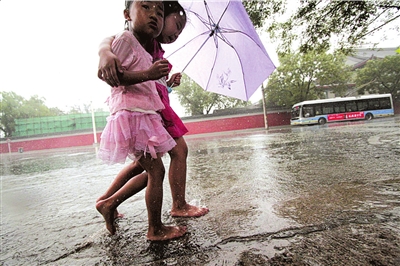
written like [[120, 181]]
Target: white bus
[[342, 109]]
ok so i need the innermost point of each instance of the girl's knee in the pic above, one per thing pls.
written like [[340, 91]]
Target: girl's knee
[[180, 150], [151, 165], [157, 168]]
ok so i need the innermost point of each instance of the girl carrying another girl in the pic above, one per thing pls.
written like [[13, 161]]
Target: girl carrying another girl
[[134, 128], [174, 23]]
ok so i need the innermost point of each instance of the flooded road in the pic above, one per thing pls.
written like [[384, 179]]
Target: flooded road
[[317, 195]]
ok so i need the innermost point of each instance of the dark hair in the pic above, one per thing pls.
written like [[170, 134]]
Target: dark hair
[[128, 4], [171, 7]]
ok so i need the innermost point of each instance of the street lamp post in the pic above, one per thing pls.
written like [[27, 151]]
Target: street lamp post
[[94, 125], [9, 145], [264, 106]]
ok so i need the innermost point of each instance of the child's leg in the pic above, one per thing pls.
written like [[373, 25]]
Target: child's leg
[[154, 196], [131, 170], [108, 206], [177, 180]]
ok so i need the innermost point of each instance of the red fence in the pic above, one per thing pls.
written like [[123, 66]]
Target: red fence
[[200, 126]]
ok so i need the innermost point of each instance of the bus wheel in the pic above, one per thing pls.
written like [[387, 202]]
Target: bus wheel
[[321, 121], [369, 116]]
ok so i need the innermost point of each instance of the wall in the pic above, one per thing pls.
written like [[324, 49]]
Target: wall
[[195, 126]]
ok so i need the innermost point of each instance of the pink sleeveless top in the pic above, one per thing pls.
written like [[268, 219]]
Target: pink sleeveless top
[[141, 96]]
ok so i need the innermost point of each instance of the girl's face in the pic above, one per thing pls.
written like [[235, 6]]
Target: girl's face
[[173, 26], [146, 18]]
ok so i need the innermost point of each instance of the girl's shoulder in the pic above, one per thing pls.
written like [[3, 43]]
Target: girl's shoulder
[[125, 35], [127, 39]]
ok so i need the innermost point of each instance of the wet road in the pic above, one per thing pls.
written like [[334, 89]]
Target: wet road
[[317, 195]]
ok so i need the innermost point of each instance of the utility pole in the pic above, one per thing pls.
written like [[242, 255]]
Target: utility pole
[[264, 106], [94, 125]]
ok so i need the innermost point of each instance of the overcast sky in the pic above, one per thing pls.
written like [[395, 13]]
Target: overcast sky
[[49, 48]]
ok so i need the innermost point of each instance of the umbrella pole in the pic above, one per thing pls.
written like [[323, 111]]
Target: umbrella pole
[[264, 107], [183, 70]]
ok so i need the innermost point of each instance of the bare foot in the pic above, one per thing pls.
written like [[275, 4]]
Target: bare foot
[[166, 233], [189, 211], [108, 215], [116, 213]]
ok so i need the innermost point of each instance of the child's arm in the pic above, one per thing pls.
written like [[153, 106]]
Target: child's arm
[[109, 64], [158, 70]]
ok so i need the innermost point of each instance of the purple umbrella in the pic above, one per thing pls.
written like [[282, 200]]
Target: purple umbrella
[[220, 50]]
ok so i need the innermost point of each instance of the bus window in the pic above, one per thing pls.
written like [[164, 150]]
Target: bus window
[[327, 108], [339, 107], [384, 103], [362, 105], [308, 111], [351, 106], [318, 109], [373, 104], [296, 112]]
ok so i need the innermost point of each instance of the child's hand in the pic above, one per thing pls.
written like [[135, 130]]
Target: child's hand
[[158, 70], [109, 68], [175, 80]]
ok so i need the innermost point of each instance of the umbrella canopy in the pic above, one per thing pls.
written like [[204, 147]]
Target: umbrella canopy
[[219, 49]]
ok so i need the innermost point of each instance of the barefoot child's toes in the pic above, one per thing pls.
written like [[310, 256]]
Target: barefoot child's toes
[[118, 215], [166, 233], [189, 211], [202, 211]]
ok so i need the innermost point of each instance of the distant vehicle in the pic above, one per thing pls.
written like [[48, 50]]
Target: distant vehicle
[[342, 109]]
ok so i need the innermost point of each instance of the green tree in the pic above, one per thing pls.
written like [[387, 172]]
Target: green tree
[[303, 77], [259, 11], [14, 106], [196, 101], [85, 108], [56, 111], [316, 24], [380, 76], [76, 109], [36, 107], [10, 109]]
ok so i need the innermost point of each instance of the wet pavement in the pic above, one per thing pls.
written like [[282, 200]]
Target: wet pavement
[[314, 195]]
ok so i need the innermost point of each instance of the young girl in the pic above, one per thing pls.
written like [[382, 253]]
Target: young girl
[[174, 22], [134, 128]]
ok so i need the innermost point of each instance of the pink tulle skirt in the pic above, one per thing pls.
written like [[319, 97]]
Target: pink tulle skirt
[[133, 134]]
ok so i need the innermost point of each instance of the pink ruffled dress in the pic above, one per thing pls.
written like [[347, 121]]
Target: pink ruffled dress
[[172, 122], [134, 127]]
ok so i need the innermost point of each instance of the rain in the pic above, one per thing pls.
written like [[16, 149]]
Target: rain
[[310, 195]]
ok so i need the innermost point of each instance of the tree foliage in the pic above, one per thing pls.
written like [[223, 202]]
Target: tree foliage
[[380, 76], [14, 106], [196, 101], [259, 11], [317, 24], [303, 77], [85, 109]]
